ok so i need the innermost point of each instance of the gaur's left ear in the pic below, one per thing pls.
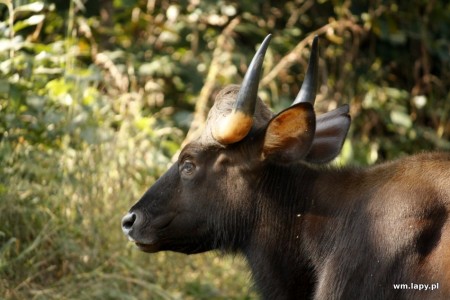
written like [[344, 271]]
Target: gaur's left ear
[[331, 130], [289, 134]]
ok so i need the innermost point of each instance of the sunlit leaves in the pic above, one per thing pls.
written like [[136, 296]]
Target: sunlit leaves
[[35, 7], [31, 21], [58, 90]]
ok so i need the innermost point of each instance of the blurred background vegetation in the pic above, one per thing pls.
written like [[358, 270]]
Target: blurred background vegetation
[[97, 96]]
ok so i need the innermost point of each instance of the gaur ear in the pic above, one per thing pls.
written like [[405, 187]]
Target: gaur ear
[[289, 134], [331, 130]]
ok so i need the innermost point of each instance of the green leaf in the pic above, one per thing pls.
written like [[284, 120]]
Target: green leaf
[[400, 118], [4, 87], [7, 44], [37, 102], [144, 123], [31, 21], [33, 7], [90, 95]]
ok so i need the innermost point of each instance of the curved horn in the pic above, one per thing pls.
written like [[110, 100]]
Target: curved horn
[[238, 123], [309, 87]]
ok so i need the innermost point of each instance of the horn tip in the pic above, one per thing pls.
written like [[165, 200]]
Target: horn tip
[[265, 42], [308, 90], [315, 41]]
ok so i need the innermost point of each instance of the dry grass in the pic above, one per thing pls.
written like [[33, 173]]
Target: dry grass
[[60, 235]]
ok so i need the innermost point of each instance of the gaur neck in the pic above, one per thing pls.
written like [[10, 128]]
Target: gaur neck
[[285, 271]]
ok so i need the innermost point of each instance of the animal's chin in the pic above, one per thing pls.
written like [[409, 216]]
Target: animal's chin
[[180, 247], [149, 248]]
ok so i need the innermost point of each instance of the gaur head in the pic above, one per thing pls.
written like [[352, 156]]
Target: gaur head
[[220, 187]]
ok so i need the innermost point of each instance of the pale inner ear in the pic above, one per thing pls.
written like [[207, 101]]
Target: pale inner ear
[[289, 134]]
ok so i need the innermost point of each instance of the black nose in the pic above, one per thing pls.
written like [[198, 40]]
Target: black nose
[[127, 222]]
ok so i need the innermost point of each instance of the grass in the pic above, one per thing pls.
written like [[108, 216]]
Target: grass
[[60, 235]]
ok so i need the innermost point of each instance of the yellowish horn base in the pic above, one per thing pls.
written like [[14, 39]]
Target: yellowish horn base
[[233, 128]]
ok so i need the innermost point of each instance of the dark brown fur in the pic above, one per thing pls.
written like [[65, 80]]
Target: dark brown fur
[[307, 231]]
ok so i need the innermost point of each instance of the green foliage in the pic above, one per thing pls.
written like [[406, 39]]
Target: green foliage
[[96, 96]]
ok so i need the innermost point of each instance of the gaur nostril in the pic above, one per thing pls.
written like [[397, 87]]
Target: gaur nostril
[[128, 221]]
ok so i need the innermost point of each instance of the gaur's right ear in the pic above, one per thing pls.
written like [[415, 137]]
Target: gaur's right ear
[[289, 134]]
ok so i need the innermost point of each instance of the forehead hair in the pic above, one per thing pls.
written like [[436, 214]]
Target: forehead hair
[[223, 104]]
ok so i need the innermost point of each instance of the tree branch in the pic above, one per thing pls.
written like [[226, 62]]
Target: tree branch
[[201, 106], [291, 58]]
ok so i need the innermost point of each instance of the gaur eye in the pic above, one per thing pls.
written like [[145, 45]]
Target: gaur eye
[[188, 167]]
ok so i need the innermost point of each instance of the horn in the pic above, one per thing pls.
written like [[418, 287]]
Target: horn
[[309, 87], [235, 126]]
